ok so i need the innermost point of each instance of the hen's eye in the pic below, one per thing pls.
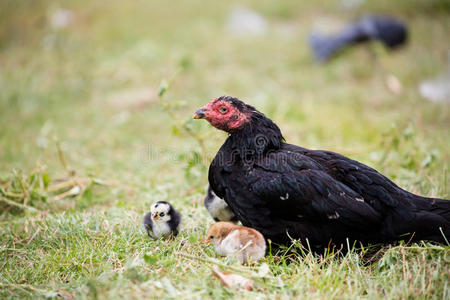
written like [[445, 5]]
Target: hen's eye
[[161, 214], [223, 109]]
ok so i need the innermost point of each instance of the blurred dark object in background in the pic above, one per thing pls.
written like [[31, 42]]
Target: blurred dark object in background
[[391, 32]]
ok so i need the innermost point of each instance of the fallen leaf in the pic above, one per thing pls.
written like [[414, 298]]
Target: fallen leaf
[[233, 280], [394, 85]]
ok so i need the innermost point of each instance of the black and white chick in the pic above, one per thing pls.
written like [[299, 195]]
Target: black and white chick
[[218, 208], [162, 220]]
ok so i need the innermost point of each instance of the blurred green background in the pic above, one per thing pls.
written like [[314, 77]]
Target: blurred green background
[[92, 80], [84, 76]]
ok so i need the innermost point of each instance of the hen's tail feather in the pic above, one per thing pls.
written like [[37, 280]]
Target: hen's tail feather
[[428, 219], [437, 206], [436, 219]]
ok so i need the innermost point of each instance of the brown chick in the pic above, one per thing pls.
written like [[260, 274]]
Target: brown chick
[[239, 242]]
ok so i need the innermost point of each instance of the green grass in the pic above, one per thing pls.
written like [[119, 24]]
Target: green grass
[[81, 87]]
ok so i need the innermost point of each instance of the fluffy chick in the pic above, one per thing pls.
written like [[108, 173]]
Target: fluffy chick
[[218, 208], [244, 244], [162, 220]]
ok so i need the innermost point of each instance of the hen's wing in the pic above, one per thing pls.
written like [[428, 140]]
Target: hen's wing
[[312, 195], [287, 191], [380, 192]]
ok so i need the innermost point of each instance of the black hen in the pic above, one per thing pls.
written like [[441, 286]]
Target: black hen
[[285, 191]]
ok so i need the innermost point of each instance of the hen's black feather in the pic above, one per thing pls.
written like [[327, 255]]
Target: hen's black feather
[[285, 191]]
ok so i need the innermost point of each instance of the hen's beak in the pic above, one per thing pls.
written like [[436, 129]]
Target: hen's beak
[[199, 114]]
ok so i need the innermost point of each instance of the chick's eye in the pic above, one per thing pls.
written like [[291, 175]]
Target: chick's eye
[[211, 237], [223, 109], [161, 214]]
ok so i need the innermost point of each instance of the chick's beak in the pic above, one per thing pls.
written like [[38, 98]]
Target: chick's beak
[[206, 241], [199, 114], [155, 217]]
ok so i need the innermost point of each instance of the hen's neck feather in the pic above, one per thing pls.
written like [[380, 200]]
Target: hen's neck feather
[[256, 138]]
